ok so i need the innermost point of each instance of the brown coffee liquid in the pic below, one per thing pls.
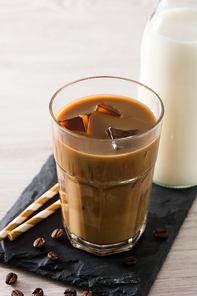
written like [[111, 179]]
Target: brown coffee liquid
[[105, 191], [93, 116]]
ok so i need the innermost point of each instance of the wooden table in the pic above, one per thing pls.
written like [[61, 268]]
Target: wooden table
[[45, 44]]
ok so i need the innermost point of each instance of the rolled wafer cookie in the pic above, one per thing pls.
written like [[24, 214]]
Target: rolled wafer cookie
[[29, 210], [34, 220]]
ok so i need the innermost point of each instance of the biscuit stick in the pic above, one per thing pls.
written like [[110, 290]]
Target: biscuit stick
[[29, 211], [34, 220]]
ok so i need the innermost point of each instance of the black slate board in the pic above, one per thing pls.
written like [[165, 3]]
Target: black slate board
[[108, 275]]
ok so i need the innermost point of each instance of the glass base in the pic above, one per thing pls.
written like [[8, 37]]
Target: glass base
[[103, 250]]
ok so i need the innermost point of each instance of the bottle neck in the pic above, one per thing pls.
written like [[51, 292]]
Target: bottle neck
[[176, 22], [169, 4], [165, 4]]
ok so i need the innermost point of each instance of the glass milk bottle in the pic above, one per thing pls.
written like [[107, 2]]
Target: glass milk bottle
[[169, 67]]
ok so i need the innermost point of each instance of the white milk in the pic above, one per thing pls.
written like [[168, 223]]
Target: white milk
[[169, 66]]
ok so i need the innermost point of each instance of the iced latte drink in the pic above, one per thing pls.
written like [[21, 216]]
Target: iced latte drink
[[105, 147]]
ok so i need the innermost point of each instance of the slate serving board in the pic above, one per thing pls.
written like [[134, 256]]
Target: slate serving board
[[108, 275]]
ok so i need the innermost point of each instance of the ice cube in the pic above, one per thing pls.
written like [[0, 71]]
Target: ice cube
[[85, 118], [104, 108], [115, 133], [78, 123]]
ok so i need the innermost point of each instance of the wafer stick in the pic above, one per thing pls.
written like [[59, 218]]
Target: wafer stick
[[29, 211], [34, 220]]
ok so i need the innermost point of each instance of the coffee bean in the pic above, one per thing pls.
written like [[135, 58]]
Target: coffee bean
[[130, 260], [38, 292], [39, 242], [57, 233], [161, 233], [53, 256], [10, 278], [87, 293], [70, 292], [17, 293]]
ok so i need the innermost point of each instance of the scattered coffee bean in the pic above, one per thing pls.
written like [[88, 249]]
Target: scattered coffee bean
[[130, 260], [39, 242], [17, 293], [87, 293], [53, 256], [161, 233], [38, 292], [57, 233], [70, 292], [10, 278]]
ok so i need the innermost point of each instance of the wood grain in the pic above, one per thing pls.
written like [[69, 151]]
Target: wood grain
[[45, 44]]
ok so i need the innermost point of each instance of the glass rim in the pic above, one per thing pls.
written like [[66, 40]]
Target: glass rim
[[105, 140]]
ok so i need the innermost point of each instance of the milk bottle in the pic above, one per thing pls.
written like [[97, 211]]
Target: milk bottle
[[169, 67]]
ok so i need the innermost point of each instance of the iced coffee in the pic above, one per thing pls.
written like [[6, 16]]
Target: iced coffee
[[105, 167]]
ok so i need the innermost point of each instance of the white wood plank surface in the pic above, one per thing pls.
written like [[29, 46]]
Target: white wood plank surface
[[45, 44]]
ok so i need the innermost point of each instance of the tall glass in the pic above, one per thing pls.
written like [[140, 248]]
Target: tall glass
[[105, 191]]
